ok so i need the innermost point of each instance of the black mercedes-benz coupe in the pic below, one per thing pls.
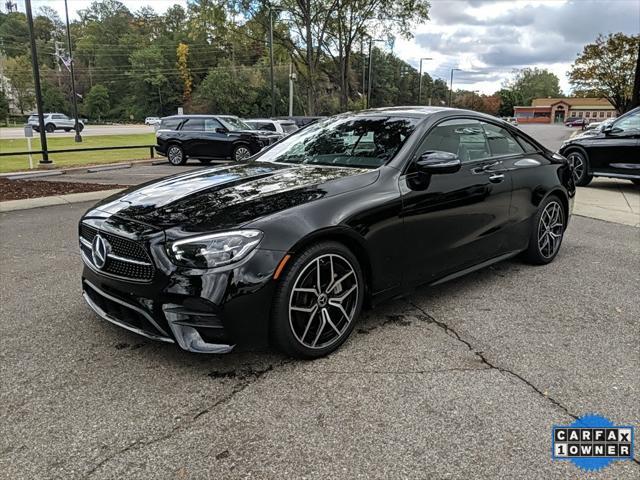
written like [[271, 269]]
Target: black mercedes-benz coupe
[[612, 151], [288, 247]]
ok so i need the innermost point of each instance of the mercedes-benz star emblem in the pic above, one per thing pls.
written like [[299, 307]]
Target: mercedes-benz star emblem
[[100, 249]]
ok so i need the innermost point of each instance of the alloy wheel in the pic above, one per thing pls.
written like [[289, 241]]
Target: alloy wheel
[[241, 153], [175, 155], [550, 229], [577, 162], [323, 301]]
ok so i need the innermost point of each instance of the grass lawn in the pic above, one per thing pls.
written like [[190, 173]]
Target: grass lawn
[[21, 162]]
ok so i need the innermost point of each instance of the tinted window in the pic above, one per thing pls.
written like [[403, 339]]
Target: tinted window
[[289, 127], [170, 123], [500, 141], [345, 141], [193, 125], [630, 123], [263, 126], [528, 146], [211, 124]]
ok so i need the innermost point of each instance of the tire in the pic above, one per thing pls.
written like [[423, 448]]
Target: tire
[[547, 232], [50, 127], [80, 127], [305, 324], [580, 164], [240, 153], [175, 155]]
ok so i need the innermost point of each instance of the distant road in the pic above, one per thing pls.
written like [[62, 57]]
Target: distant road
[[89, 130]]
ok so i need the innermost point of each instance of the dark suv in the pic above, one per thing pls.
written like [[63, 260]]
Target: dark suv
[[612, 151], [208, 137]]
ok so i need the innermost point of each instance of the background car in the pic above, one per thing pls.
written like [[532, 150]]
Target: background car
[[208, 137], [610, 151], [301, 121], [288, 247], [152, 120], [55, 121], [576, 122], [283, 127], [512, 120]]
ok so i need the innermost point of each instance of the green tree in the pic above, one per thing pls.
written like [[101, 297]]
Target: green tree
[[53, 99], [18, 71], [4, 106], [97, 103], [14, 33], [508, 99], [606, 68], [232, 90], [530, 83]]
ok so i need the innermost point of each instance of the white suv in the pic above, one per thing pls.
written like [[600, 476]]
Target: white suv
[[55, 121]]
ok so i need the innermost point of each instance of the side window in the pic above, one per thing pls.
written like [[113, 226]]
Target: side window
[[630, 123], [210, 124], [193, 125], [169, 123], [528, 146], [500, 141], [267, 126], [462, 136]]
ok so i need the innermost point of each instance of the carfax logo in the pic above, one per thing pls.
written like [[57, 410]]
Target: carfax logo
[[592, 442]]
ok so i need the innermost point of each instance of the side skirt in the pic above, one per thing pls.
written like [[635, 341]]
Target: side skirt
[[479, 266]]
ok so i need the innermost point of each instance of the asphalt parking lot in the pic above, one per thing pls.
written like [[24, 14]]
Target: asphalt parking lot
[[463, 380]]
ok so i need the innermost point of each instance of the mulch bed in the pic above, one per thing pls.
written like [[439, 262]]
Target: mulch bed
[[19, 189]]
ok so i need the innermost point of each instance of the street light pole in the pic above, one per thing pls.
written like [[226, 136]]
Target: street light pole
[[273, 85], [78, 137], [451, 84], [420, 80], [36, 82], [371, 40]]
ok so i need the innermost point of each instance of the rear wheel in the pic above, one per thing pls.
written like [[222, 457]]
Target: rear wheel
[[547, 232], [50, 127], [176, 155], [580, 165], [80, 127], [241, 152], [317, 301]]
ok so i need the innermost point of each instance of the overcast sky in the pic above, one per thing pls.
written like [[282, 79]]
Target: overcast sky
[[487, 39]]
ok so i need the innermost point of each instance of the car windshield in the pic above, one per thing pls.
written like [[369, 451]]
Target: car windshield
[[233, 123], [352, 141]]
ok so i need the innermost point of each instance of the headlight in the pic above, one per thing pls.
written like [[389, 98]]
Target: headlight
[[215, 250]]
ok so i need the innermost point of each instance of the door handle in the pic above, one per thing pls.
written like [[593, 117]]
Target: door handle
[[496, 177]]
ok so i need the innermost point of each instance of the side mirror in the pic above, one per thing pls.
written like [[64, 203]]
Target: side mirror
[[438, 162], [221, 130]]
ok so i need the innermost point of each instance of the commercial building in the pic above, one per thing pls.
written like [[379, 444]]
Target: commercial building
[[558, 110]]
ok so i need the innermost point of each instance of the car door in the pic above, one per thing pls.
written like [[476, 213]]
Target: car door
[[616, 149], [457, 220], [191, 136]]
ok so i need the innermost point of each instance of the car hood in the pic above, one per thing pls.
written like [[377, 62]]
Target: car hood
[[230, 196]]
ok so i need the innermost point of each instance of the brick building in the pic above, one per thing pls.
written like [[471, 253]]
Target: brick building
[[558, 110]]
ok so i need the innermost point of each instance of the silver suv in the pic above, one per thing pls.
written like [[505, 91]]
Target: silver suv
[[55, 121]]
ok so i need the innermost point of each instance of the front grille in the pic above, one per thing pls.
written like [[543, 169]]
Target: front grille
[[128, 258]]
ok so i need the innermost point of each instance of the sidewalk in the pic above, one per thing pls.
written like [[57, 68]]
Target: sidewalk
[[611, 200]]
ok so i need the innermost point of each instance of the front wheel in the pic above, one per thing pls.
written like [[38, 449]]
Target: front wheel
[[580, 165], [176, 155], [80, 127], [547, 232], [317, 301], [50, 127], [241, 152]]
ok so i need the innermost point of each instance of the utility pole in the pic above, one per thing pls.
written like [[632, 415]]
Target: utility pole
[[370, 71], [364, 69], [273, 85], [420, 80], [292, 77], [78, 137], [36, 81], [451, 84]]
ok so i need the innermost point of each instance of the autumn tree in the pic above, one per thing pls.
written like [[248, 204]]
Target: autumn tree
[[606, 69], [182, 54]]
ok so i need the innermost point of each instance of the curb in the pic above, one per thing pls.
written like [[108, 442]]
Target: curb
[[28, 203]]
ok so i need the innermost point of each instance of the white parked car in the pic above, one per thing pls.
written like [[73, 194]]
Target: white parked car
[[283, 127], [512, 120], [152, 121], [55, 121]]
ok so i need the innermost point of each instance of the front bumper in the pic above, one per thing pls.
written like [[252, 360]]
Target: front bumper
[[203, 311]]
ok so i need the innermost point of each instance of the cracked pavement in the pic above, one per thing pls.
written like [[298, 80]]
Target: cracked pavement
[[463, 380]]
